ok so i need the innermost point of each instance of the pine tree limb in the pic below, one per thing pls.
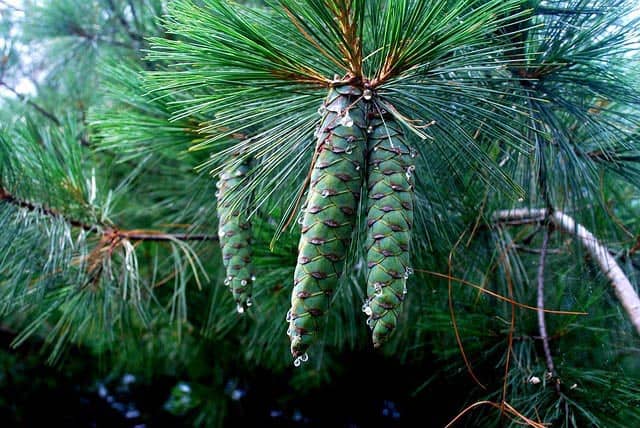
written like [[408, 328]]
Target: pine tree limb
[[29, 206], [542, 325], [39, 108], [112, 232], [622, 287]]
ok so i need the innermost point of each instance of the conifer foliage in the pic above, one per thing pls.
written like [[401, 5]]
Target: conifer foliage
[[464, 172]]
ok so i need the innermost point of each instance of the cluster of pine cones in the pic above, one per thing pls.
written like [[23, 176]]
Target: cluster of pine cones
[[356, 136]]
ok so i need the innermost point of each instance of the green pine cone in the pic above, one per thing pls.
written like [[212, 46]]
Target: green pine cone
[[235, 235], [329, 215], [390, 169]]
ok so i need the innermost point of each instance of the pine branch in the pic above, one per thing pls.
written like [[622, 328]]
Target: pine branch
[[39, 108], [542, 325], [622, 287], [31, 207], [110, 232]]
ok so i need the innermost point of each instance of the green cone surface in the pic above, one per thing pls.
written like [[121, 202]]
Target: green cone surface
[[390, 169], [235, 235], [329, 215]]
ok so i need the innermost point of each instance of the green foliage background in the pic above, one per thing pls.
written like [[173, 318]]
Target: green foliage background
[[137, 103]]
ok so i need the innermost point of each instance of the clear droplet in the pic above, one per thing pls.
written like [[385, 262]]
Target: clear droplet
[[349, 150], [378, 287], [325, 193], [240, 309], [413, 153], [218, 184], [304, 357], [289, 316], [409, 172], [369, 129], [404, 290], [253, 278], [409, 270], [367, 94], [370, 322], [321, 109], [249, 302], [357, 167], [520, 199], [297, 362], [346, 120], [217, 194], [221, 233], [289, 332], [227, 282], [243, 282], [368, 311]]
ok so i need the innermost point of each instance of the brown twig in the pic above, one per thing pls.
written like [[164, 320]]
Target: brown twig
[[112, 233], [39, 108]]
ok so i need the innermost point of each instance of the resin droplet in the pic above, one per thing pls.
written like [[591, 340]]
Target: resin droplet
[[346, 120], [367, 94]]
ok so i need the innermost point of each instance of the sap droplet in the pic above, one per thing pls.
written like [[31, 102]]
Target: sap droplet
[[378, 287], [240, 309], [346, 120], [243, 282], [409, 172], [367, 94]]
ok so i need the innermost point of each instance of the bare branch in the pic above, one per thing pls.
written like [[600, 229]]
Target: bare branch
[[542, 325], [622, 287]]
